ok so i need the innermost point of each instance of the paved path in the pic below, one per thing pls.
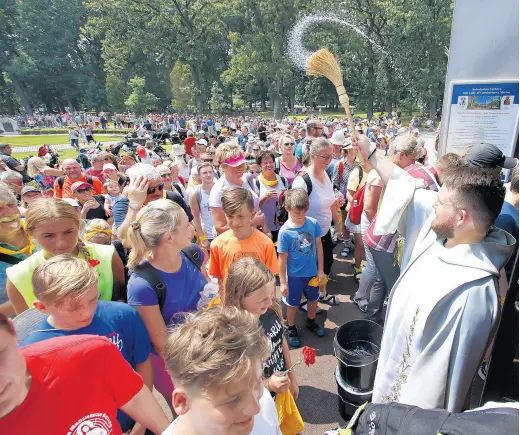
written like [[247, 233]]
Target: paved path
[[61, 147]]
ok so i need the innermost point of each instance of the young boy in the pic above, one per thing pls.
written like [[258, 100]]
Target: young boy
[[240, 240], [215, 359], [112, 196], [70, 385], [66, 291], [301, 258]]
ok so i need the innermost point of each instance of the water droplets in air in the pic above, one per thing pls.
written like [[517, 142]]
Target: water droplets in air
[[299, 54]]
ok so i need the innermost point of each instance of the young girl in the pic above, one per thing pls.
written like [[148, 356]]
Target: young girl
[[251, 286], [55, 225]]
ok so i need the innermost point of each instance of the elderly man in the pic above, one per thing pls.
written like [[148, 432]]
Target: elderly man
[[12, 163], [73, 173], [14, 181], [29, 195], [155, 191], [444, 307], [96, 170]]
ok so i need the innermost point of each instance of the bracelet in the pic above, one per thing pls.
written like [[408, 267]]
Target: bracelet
[[135, 206]]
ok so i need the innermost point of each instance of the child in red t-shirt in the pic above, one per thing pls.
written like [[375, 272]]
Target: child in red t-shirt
[[70, 385]]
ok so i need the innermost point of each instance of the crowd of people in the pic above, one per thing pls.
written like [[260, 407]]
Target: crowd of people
[[141, 271]]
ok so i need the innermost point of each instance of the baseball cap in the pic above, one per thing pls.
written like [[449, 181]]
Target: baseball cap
[[28, 189], [359, 128], [235, 161], [347, 144], [338, 137], [109, 166], [224, 130], [202, 142], [80, 185], [486, 155], [71, 201], [251, 139], [380, 136]]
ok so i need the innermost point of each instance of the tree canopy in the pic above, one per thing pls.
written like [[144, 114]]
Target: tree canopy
[[209, 55]]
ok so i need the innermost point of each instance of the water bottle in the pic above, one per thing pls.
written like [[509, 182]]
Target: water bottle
[[207, 294]]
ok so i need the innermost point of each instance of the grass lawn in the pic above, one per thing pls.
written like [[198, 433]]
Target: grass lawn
[[54, 139]]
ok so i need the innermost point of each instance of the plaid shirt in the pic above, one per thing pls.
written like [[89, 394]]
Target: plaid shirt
[[387, 242]]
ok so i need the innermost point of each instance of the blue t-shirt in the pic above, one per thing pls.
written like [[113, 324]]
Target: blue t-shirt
[[507, 220], [330, 169], [300, 244], [121, 325], [298, 151], [182, 290]]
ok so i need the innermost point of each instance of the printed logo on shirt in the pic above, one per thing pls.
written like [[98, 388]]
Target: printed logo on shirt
[[303, 243], [238, 255], [114, 338], [92, 424]]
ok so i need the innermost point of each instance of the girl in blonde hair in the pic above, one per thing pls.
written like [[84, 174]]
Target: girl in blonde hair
[[54, 225], [251, 286], [157, 236]]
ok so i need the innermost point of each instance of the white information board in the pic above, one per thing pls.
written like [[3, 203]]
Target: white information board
[[483, 111]]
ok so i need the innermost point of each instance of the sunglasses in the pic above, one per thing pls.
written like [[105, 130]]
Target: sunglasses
[[256, 149], [289, 144], [258, 171], [152, 190], [207, 160], [211, 154], [86, 189]]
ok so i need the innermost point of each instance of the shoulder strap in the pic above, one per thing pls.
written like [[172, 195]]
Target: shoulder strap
[[284, 181], [177, 188], [61, 180], [277, 163], [257, 182], [251, 182], [89, 180], [360, 169], [198, 194], [307, 178], [193, 254], [9, 259], [146, 271]]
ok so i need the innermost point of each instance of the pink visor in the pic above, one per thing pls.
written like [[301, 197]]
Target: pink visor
[[235, 161]]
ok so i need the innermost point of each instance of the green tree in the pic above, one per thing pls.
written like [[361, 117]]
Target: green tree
[[218, 101], [139, 101], [183, 88]]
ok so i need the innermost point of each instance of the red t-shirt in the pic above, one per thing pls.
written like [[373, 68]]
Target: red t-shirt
[[78, 383], [189, 143]]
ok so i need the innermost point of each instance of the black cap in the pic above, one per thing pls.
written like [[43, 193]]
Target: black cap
[[486, 155]]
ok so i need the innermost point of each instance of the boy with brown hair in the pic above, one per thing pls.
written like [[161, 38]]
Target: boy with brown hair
[[241, 240], [215, 359]]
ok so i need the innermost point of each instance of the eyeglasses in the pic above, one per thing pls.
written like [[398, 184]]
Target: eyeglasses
[[289, 144], [86, 189], [106, 159], [256, 149], [212, 154], [207, 160], [325, 156], [151, 190], [258, 171]]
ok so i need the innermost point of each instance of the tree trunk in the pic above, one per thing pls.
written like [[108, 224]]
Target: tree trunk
[[11, 109], [22, 95], [262, 104], [433, 108], [199, 100]]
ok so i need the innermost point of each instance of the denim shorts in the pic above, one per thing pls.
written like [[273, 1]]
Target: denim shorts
[[299, 286]]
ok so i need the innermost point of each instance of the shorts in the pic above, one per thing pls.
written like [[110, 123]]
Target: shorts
[[328, 254], [354, 229], [297, 287]]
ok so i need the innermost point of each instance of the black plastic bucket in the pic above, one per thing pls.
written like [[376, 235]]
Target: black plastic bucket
[[356, 346], [348, 399]]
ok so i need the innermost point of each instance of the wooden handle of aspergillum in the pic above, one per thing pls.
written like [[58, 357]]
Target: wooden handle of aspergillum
[[344, 100]]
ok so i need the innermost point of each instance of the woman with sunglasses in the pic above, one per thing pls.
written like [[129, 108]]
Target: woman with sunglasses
[[322, 202], [287, 165], [233, 165]]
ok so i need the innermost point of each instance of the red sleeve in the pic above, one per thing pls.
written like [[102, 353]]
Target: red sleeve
[[119, 377], [98, 186]]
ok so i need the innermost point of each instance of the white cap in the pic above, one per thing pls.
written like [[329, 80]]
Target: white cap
[[338, 137], [71, 201], [202, 142]]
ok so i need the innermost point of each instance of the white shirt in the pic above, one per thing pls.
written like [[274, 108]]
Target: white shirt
[[320, 200], [266, 421], [215, 197]]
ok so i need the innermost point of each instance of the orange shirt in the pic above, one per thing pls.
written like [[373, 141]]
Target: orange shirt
[[97, 187], [226, 249]]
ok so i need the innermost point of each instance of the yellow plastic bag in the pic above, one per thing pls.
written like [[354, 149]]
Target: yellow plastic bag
[[291, 421], [314, 281], [213, 303]]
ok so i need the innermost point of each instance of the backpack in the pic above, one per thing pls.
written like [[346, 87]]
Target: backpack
[[281, 215], [356, 209], [146, 271], [400, 419], [61, 180]]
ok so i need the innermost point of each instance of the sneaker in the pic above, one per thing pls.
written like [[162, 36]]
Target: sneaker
[[483, 370], [304, 308], [317, 329], [292, 338], [332, 299]]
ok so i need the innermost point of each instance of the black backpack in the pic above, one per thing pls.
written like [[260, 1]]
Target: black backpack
[[61, 180], [400, 419], [281, 215], [146, 271]]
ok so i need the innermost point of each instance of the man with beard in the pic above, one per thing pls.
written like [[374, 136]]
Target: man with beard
[[444, 307]]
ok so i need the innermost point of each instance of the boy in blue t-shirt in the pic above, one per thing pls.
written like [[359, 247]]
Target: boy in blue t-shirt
[[66, 291], [301, 259]]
